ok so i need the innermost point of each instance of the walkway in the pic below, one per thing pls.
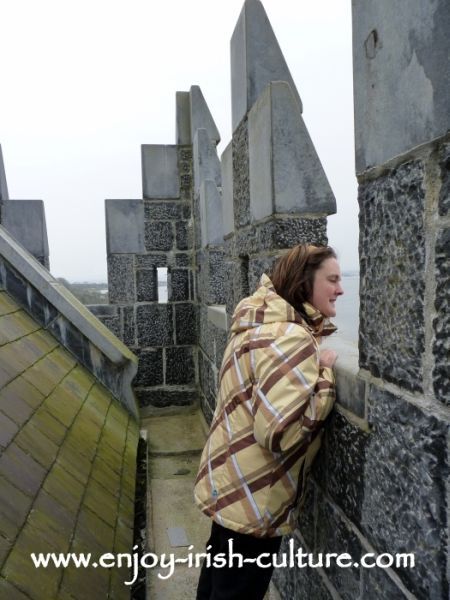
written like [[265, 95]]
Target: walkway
[[175, 443]]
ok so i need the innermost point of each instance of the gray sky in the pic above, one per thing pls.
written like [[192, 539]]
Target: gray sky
[[84, 83]]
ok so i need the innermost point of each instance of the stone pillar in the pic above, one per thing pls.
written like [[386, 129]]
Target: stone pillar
[[402, 121], [281, 196], [381, 481], [143, 236], [24, 220]]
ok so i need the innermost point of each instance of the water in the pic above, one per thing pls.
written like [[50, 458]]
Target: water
[[347, 308]]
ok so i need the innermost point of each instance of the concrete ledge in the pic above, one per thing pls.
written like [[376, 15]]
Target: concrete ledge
[[217, 314], [211, 222], [227, 189], [125, 226], [25, 221], [350, 387], [160, 175], [71, 310]]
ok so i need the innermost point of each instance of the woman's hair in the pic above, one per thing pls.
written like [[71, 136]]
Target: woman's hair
[[293, 274]]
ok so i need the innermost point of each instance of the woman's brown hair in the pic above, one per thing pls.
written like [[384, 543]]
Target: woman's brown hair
[[293, 274]]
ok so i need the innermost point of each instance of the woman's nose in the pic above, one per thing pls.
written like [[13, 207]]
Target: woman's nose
[[339, 290]]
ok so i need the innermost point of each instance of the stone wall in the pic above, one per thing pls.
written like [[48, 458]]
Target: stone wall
[[379, 483]]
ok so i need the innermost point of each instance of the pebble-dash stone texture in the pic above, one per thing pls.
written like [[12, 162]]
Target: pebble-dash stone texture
[[333, 535], [158, 235], [344, 469], [150, 371], [146, 285], [404, 507], [180, 368], [121, 284], [154, 325], [241, 181], [444, 196], [294, 582], [392, 275], [441, 324]]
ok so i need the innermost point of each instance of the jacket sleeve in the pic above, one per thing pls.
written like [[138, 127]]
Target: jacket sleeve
[[292, 394]]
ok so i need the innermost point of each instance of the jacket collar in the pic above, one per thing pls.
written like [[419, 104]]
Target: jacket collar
[[313, 318]]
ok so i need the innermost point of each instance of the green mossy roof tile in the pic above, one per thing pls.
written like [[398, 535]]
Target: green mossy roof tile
[[7, 304], [16, 325], [8, 430], [100, 501], [20, 389], [47, 372], [64, 488], [20, 469], [34, 442], [14, 508], [91, 529], [8, 590], [19, 569], [108, 478], [43, 420], [5, 547]]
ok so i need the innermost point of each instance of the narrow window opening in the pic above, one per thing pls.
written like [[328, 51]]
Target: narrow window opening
[[162, 277]]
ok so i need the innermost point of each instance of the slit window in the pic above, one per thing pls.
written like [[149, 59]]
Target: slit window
[[162, 277]]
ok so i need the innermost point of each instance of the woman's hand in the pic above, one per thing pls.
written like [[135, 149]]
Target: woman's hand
[[327, 358]]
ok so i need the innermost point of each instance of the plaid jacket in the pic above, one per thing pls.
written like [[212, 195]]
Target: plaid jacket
[[273, 398]]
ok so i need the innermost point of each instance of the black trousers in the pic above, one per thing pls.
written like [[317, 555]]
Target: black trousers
[[249, 582]]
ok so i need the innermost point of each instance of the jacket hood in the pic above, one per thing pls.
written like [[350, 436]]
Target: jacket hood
[[266, 306]]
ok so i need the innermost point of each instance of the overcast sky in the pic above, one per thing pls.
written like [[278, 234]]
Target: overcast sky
[[84, 83]]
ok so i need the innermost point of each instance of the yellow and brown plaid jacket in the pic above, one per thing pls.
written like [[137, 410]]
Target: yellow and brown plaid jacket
[[273, 398]]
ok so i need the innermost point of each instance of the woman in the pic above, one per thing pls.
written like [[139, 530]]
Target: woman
[[275, 390]]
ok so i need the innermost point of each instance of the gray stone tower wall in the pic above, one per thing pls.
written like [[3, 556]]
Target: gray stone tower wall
[[381, 481], [142, 236]]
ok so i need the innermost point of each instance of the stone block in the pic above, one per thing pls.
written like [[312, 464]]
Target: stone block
[[163, 211], [151, 261], [182, 260], [128, 335], [180, 366], [398, 68], [441, 322], [286, 175], [256, 60], [183, 118], [391, 247], [3, 184], [211, 220], [241, 177], [150, 370], [296, 582], [183, 235], [207, 379], [333, 535], [405, 472], [206, 163], [146, 285], [217, 316], [185, 323], [25, 221], [124, 226], [121, 278], [159, 235], [227, 189], [164, 398], [179, 285], [377, 584], [444, 194], [160, 175], [342, 465], [201, 117], [154, 325], [306, 518]]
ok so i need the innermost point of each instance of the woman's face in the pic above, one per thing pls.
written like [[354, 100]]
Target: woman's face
[[327, 287]]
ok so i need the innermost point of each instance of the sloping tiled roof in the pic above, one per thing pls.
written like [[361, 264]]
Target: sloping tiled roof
[[67, 465], [68, 437]]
